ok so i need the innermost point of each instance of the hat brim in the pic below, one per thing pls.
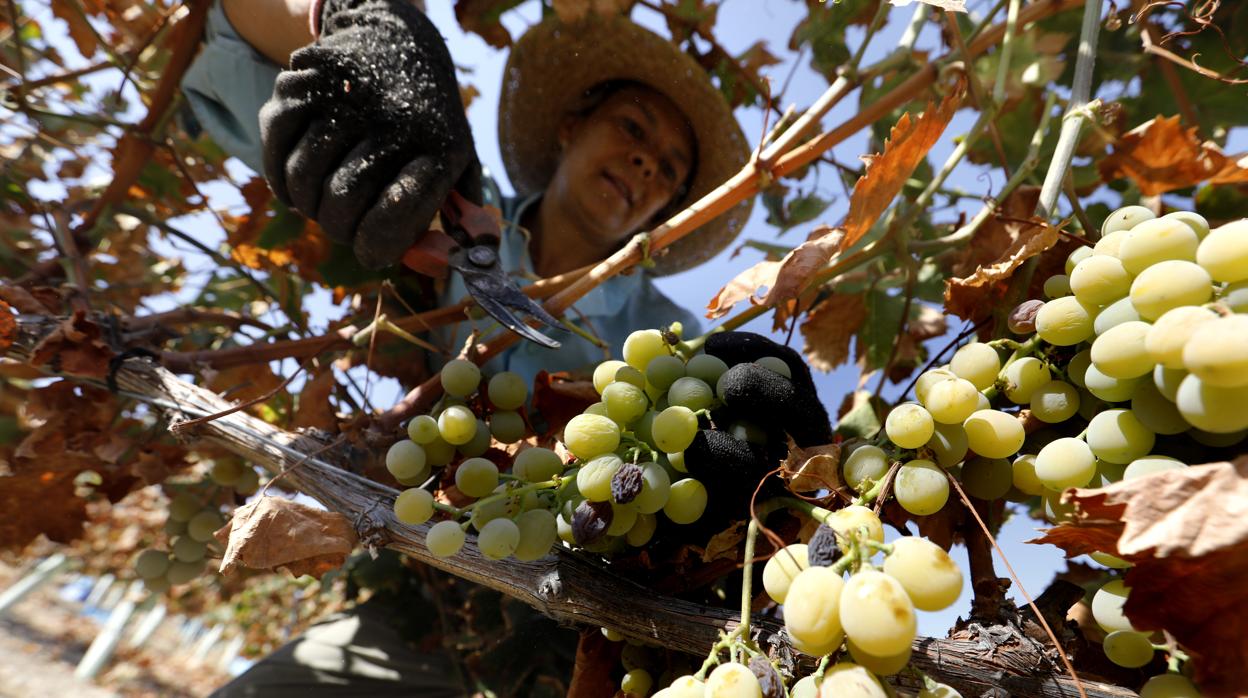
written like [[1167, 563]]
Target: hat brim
[[552, 66]]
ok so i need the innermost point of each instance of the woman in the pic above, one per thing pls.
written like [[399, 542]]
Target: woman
[[605, 129]]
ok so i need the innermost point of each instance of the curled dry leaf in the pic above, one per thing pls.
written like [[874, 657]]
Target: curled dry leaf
[[314, 408], [971, 296], [814, 468], [273, 532], [829, 327], [1186, 531], [74, 348], [742, 287], [1160, 156], [724, 544]]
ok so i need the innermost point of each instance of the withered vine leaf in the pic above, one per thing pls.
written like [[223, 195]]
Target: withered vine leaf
[[273, 532], [829, 328], [1161, 155]]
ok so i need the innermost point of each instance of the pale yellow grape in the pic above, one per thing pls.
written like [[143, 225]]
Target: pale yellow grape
[[986, 478], [642, 530], [656, 487], [1120, 352], [460, 377], [538, 533], [1217, 352], [406, 460], [1055, 402], [994, 434], [1156, 241], [920, 487], [604, 373], [847, 680], [1108, 472], [638, 682], [1155, 411], [1090, 404], [1114, 314], [879, 666], [1055, 510], [782, 569], [677, 461], [1108, 388], [1148, 465], [1065, 321], [1195, 221], [690, 392], [632, 376], [1108, 245], [1076, 256], [1126, 218], [439, 452], [812, 610], [203, 525], [866, 462], [599, 408], [445, 538], [1169, 686], [590, 435], [622, 519], [479, 443], [625, 402], [1078, 365], [1023, 377], [1210, 408], [877, 613], [507, 390], [929, 378], [1235, 297], [930, 577], [498, 538], [1057, 286], [977, 363], [537, 464], [457, 425], [674, 429], [948, 444], [683, 687], [151, 563], [686, 502], [642, 346], [187, 549], [1100, 280], [1224, 253], [594, 479], [909, 425], [732, 680], [1107, 606], [423, 429], [1167, 285], [852, 519], [1025, 479], [804, 688], [938, 690], [952, 401], [476, 477], [1111, 561], [413, 506], [1167, 337], [1128, 649], [1118, 436], [1066, 462]]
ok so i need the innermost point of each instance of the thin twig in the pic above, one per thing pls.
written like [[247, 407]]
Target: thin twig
[[984, 103]]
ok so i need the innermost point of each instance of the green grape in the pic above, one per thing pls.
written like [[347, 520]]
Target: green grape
[[151, 564], [952, 401], [538, 534], [1108, 245], [406, 460], [445, 538], [977, 363], [994, 434], [604, 373], [187, 549], [1076, 256], [879, 666], [948, 444], [498, 538], [1100, 280], [642, 530], [594, 479], [226, 472], [1025, 479], [1172, 331], [864, 463], [1110, 389], [1217, 440], [930, 577], [203, 525], [674, 428], [851, 520], [732, 680], [157, 585], [1155, 411], [479, 443], [174, 528], [248, 483], [691, 393], [599, 408], [503, 507], [929, 378], [776, 365], [476, 477], [537, 464], [1169, 686], [812, 612], [804, 688], [457, 425], [1217, 353], [1024, 377], [1167, 285], [845, 679], [637, 682], [1108, 472], [677, 461], [1114, 314], [663, 370], [706, 368], [987, 478], [183, 507], [920, 487], [181, 571], [507, 391], [782, 568], [1148, 465], [1055, 510], [1128, 649], [1120, 352], [642, 346], [656, 486], [413, 506], [507, 427], [1055, 402], [1064, 463], [1078, 365], [686, 501], [683, 687], [439, 452], [622, 519], [423, 430], [625, 402], [460, 378], [643, 428], [631, 376], [1235, 297], [877, 614], [1210, 408], [1065, 321], [1118, 436], [909, 425], [1157, 240], [1107, 605], [1224, 253], [589, 435], [1110, 561], [1126, 218], [1057, 286]]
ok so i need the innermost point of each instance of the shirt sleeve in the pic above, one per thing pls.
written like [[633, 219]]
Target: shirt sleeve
[[225, 87]]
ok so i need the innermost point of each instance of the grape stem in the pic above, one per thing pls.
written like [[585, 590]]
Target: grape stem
[[457, 512], [751, 534]]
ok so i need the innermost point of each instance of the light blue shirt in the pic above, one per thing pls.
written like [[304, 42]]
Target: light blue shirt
[[229, 82]]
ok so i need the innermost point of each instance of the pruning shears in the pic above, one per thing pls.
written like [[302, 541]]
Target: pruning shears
[[468, 243]]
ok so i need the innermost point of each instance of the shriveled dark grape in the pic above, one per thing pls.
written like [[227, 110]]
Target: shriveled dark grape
[[590, 522], [768, 678], [822, 550], [1022, 318], [626, 484]]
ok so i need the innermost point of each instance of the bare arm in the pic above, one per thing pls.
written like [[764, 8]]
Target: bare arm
[[274, 27]]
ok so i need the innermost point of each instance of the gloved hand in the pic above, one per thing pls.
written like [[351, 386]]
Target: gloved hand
[[365, 133]]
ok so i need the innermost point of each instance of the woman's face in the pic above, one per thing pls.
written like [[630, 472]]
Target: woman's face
[[622, 163]]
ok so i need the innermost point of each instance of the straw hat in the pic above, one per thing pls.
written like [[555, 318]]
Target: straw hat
[[550, 68]]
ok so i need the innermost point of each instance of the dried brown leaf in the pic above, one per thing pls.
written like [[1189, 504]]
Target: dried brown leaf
[[243, 383], [724, 544], [969, 297], [273, 532], [79, 29], [742, 287], [74, 348], [8, 326], [314, 408], [829, 328], [814, 468], [1160, 156]]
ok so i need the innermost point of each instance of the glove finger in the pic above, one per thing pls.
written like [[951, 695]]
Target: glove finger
[[310, 163], [469, 184], [775, 401], [728, 467], [354, 187], [402, 212], [283, 120], [748, 347]]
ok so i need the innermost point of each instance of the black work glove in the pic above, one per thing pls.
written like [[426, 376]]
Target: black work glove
[[365, 133]]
